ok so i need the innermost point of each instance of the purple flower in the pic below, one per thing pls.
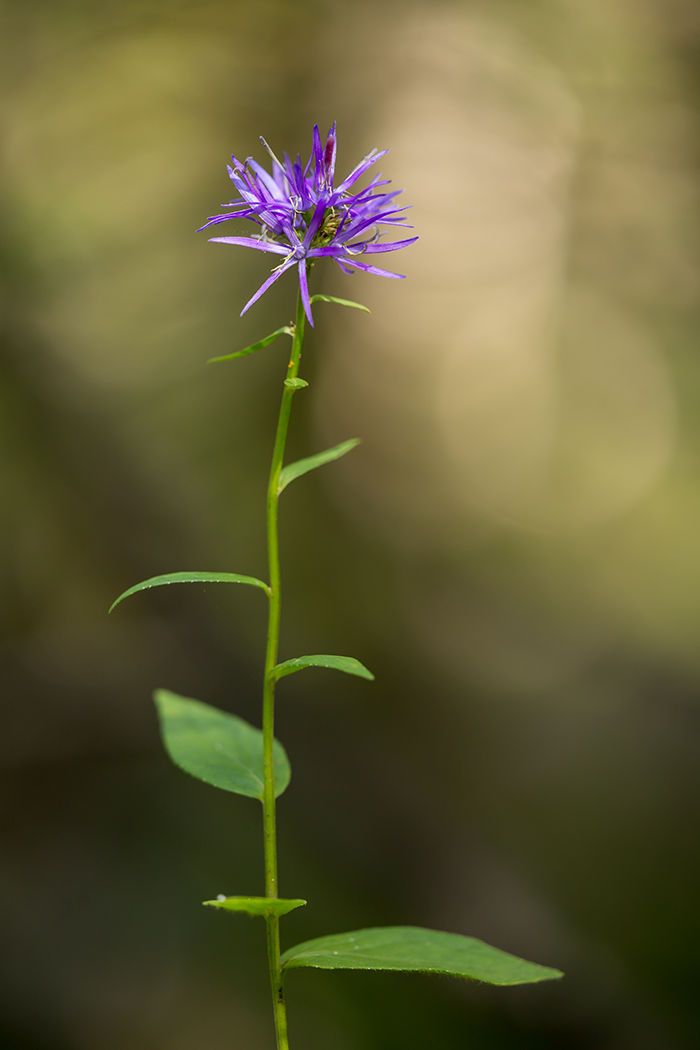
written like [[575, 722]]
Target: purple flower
[[303, 216]]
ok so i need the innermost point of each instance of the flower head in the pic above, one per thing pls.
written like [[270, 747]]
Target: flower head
[[302, 216]]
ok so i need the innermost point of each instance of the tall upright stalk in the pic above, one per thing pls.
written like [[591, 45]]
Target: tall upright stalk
[[273, 633], [302, 216]]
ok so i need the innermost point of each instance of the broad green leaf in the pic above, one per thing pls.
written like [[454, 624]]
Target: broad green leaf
[[191, 577], [303, 466], [256, 905], [413, 948], [336, 663], [340, 302], [296, 384], [216, 747], [254, 347]]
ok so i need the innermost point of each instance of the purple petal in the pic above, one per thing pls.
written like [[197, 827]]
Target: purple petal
[[389, 246], [290, 233], [288, 171], [304, 289], [263, 287], [251, 242], [266, 179], [315, 224], [299, 181], [333, 250], [360, 223], [361, 168], [329, 154], [373, 269], [317, 149], [367, 191], [214, 219]]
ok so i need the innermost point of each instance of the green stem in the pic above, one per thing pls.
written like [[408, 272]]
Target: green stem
[[273, 634]]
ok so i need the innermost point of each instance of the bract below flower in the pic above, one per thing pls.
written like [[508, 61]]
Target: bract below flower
[[303, 216]]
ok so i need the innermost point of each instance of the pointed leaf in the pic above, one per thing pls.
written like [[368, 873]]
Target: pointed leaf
[[216, 747], [413, 948], [303, 466], [254, 347], [256, 905], [337, 663], [191, 577], [340, 302]]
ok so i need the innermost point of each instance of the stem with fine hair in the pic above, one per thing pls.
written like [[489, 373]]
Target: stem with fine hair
[[273, 633]]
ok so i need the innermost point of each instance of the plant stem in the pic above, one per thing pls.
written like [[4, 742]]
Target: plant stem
[[273, 634]]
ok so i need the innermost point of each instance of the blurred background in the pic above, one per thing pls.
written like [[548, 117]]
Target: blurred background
[[514, 549]]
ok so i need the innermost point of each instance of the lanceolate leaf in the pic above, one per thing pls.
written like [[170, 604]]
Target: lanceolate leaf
[[303, 466], [191, 577], [340, 302], [254, 347], [413, 948], [337, 663], [257, 905], [216, 747]]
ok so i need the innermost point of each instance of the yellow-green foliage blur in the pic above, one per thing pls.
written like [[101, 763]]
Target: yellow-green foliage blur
[[514, 549]]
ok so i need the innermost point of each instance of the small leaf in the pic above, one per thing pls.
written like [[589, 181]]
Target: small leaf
[[255, 346], [303, 466], [413, 948], [295, 384], [191, 577], [216, 747], [337, 663], [257, 905], [340, 302]]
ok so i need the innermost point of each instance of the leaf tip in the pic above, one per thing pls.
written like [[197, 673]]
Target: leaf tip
[[116, 602]]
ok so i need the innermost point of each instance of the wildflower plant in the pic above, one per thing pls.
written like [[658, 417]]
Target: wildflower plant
[[303, 217]]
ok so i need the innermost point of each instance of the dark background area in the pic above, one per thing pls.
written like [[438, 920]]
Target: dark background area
[[514, 549]]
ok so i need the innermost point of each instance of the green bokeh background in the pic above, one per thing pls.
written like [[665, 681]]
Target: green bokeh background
[[514, 550]]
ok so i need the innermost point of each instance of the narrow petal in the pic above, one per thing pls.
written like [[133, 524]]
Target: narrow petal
[[251, 242], [299, 180], [361, 168], [329, 155], [315, 224], [266, 179], [335, 251], [263, 287], [304, 289], [359, 224], [373, 269], [214, 219], [317, 151], [388, 246], [291, 234]]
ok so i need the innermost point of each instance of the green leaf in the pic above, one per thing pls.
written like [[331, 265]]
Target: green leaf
[[256, 905], [296, 384], [340, 302], [303, 466], [216, 747], [413, 948], [337, 663], [191, 577], [254, 347]]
